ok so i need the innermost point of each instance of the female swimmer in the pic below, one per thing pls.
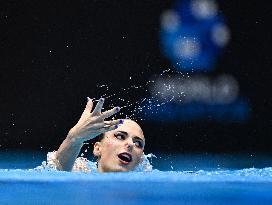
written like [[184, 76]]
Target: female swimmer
[[119, 149]]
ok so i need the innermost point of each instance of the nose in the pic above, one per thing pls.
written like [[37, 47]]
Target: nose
[[129, 144]]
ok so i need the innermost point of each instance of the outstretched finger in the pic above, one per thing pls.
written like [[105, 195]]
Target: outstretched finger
[[109, 113], [89, 105], [109, 128], [113, 122], [88, 108], [98, 107], [106, 124]]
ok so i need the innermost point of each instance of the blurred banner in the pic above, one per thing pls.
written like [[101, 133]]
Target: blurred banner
[[193, 35]]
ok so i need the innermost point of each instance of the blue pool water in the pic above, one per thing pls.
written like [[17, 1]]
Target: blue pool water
[[211, 185]]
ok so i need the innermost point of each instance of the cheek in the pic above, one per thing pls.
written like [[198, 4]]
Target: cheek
[[110, 145], [139, 155]]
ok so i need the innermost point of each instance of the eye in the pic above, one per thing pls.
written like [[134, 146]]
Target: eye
[[139, 144], [119, 136]]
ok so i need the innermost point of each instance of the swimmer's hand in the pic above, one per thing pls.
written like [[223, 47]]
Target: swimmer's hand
[[93, 123], [90, 125]]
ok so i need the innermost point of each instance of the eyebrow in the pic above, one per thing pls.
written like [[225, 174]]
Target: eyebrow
[[125, 133]]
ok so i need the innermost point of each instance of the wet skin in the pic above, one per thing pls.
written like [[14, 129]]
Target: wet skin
[[127, 139], [121, 149]]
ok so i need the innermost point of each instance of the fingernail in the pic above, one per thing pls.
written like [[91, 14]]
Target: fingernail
[[117, 109], [88, 99], [116, 126], [121, 121]]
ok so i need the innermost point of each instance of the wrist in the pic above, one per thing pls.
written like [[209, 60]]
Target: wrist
[[73, 139]]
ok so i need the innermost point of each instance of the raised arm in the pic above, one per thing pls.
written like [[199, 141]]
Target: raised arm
[[90, 125]]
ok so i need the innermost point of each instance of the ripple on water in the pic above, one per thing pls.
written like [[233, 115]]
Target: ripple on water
[[242, 175]]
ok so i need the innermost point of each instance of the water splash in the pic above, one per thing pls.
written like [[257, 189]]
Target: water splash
[[84, 165], [135, 108]]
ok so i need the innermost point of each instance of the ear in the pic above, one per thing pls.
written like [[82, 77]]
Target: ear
[[97, 149]]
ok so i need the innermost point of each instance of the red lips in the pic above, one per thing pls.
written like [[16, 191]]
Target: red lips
[[125, 157]]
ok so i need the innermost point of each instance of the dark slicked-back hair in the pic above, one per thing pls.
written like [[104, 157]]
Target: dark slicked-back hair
[[100, 137]]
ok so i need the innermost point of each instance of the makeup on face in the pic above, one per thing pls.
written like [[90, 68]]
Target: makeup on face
[[122, 135], [122, 148]]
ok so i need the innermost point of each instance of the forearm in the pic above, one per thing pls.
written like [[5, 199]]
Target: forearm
[[68, 152], [90, 125]]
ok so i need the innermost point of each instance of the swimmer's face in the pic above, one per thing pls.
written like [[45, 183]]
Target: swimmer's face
[[121, 149]]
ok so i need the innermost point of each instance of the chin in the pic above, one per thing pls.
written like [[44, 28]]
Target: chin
[[117, 166], [121, 168]]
